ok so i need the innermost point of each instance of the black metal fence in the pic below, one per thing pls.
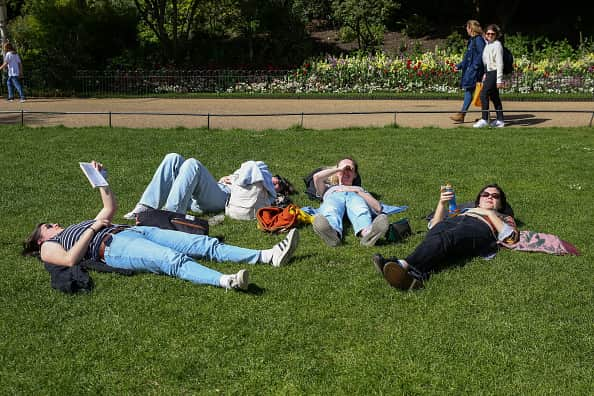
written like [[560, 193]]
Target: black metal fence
[[143, 83]]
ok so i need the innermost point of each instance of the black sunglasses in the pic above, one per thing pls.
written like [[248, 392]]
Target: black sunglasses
[[495, 195]]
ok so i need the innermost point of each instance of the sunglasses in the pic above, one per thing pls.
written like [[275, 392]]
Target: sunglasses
[[495, 195], [490, 34]]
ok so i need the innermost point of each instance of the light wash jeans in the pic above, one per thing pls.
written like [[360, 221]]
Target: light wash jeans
[[179, 185], [11, 83], [337, 203], [151, 249]]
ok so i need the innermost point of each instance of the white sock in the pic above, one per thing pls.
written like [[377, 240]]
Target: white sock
[[266, 256], [225, 281]]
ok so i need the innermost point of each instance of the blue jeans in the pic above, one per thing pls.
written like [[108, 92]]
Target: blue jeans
[[14, 81], [468, 93], [179, 185], [335, 206], [151, 249]]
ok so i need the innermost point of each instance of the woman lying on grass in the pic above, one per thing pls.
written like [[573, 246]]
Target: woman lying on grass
[[339, 197], [474, 232], [148, 249]]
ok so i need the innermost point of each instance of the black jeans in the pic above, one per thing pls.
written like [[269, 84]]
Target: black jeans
[[454, 237], [491, 91]]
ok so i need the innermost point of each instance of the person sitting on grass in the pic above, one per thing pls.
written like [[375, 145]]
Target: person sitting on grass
[[148, 249], [340, 197], [471, 233], [179, 185]]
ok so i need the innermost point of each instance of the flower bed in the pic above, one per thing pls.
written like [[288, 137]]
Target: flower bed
[[428, 72]]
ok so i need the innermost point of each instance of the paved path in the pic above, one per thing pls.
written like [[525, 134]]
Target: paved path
[[526, 114]]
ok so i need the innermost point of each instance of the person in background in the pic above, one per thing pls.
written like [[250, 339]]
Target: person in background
[[340, 197], [471, 66], [493, 79], [148, 249], [474, 232], [12, 61]]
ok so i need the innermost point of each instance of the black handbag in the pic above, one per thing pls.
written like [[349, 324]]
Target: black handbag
[[398, 231], [172, 221]]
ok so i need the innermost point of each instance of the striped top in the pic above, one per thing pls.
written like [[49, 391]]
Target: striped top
[[72, 234]]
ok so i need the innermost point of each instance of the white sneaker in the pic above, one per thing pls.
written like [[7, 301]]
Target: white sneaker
[[497, 124], [378, 229], [139, 208], [480, 124], [22, 100], [240, 280], [282, 251]]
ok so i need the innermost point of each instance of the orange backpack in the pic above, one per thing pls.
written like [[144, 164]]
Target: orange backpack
[[276, 219]]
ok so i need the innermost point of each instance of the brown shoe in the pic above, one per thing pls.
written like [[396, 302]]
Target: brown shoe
[[458, 117], [398, 277]]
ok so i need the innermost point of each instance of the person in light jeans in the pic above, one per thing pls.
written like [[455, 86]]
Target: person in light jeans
[[340, 197], [12, 61], [180, 184], [148, 249]]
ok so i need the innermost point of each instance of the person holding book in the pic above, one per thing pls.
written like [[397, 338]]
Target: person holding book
[[148, 249], [180, 184]]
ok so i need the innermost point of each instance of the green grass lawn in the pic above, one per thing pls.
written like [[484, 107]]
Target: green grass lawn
[[327, 324]]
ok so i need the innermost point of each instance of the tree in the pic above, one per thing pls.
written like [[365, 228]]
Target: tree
[[172, 22], [365, 19]]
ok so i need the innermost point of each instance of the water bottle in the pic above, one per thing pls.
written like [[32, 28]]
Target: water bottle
[[452, 207]]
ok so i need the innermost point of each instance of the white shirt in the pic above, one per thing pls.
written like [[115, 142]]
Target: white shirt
[[493, 58], [13, 62]]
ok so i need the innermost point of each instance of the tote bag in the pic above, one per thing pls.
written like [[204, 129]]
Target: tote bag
[[476, 97]]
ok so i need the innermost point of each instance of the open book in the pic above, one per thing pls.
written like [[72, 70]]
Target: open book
[[95, 177]]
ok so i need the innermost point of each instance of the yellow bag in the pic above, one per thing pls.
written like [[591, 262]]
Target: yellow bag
[[476, 97]]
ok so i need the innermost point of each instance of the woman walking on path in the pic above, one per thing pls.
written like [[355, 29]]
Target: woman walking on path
[[493, 79], [471, 66]]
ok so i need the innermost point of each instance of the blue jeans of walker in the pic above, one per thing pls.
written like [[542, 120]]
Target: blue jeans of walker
[[151, 249], [335, 206], [179, 185], [14, 82], [454, 237], [468, 93]]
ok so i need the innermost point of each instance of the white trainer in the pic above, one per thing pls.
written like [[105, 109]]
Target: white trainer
[[497, 124], [480, 124], [139, 208], [240, 280], [283, 251]]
